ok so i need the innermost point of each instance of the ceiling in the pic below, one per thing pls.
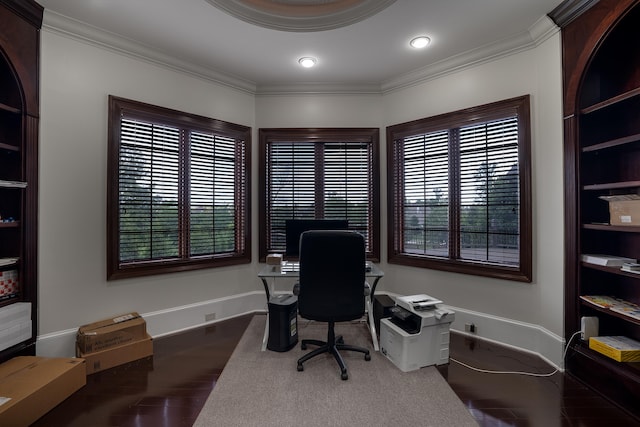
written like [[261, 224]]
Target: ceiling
[[255, 44]]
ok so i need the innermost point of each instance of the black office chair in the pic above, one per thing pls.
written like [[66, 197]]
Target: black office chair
[[331, 287]]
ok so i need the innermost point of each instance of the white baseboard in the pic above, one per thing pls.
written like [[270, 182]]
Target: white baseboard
[[165, 322], [519, 335]]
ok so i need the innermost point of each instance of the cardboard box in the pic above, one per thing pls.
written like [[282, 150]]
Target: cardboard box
[[274, 259], [30, 386], [618, 348], [106, 359], [274, 263], [624, 209], [109, 333]]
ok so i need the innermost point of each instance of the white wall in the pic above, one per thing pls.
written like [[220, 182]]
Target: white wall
[[536, 72], [77, 77]]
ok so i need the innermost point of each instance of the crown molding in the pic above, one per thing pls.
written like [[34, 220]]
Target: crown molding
[[320, 88], [27, 9], [67, 27], [569, 10], [77, 30], [540, 31]]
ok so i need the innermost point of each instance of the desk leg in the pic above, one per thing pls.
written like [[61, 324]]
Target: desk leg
[[372, 324], [265, 337]]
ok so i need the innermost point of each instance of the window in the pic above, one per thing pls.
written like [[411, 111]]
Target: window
[[318, 174], [459, 191], [178, 195]]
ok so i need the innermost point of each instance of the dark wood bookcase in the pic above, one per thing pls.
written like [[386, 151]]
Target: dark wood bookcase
[[20, 23], [601, 71]]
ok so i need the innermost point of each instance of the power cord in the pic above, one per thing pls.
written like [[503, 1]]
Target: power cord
[[564, 354]]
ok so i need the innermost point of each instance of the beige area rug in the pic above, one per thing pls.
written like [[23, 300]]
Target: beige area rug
[[259, 388]]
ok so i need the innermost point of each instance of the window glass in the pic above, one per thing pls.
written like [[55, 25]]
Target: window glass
[[318, 174], [459, 191], [179, 191]]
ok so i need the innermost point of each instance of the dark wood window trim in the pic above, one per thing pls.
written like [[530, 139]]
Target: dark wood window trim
[[364, 141], [447, 127], [189, 207]]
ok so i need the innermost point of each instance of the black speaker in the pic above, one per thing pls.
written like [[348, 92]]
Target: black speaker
[[283, 322]]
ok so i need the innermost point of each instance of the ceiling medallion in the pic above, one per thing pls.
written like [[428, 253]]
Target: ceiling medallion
[[301, 15]]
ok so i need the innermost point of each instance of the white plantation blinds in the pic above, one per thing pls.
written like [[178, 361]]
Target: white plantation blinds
[[456, 200], [182, 191], [308, 179]]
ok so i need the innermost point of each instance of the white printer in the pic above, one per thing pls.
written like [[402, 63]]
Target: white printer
[[417, 333]]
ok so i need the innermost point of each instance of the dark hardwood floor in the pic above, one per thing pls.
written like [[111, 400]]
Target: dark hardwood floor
[[169, 389]]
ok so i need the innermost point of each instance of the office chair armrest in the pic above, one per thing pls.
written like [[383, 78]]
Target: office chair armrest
[[296, 289], [367, 289]]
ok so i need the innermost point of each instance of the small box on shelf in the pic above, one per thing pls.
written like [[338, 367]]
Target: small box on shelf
[[624, 209]]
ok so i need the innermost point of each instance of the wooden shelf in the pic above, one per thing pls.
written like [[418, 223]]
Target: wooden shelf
[[9, 109], [615, 228], [618, 142], [610, 313], [612, 185], [601, 75], [9, 147], [612, 270], [20, 23], [611, 101]]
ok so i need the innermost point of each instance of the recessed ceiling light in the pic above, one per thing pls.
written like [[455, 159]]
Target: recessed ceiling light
[[420, 42], [307, 61]]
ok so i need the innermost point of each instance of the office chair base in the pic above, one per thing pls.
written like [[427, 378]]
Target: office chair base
[[333, 345]]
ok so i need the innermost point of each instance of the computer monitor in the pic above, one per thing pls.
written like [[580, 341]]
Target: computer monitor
[[295, 227]]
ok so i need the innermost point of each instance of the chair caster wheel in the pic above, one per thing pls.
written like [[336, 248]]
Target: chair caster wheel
[[367, 357], [300, 367], [303, 346], [340, 340], [344, 376]]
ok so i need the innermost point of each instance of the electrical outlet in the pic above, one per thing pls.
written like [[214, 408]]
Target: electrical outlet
[[470, 327], [209, 317]]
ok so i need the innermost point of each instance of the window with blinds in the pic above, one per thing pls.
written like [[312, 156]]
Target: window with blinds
[[179, 191], [318, 174], [459, 191]]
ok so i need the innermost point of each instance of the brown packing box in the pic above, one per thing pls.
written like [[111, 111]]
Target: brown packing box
[[112, 332], [624, 209], [30, 386], [624, 212], [105, 359]]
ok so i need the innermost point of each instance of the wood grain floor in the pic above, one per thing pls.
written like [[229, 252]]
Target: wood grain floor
[[169, 389]]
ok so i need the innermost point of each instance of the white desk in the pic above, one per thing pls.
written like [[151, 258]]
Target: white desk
[[291, 270]]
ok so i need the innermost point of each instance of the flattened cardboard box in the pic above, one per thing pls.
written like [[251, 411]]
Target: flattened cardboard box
[[105, 359], [109, 333], [30, 386]]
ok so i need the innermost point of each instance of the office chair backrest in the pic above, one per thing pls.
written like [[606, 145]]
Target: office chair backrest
[[332, 275]]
